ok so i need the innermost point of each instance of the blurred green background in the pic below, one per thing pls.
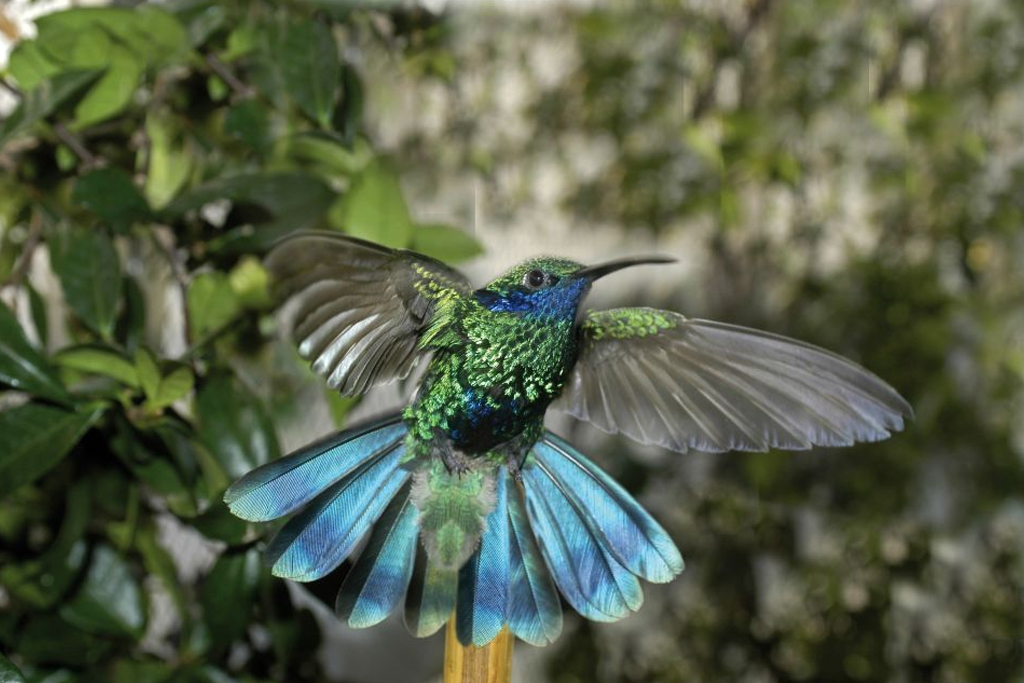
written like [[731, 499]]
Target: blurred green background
[[851, 174]]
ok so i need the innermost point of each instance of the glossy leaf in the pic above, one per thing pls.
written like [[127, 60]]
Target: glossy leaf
[[227, 596], [148, 372], [211, 303], [114, 90], [308, 59], [173, 386], [374, 208], [21, 366], [90, 274], [44, 100], [34, 438], [100, 360], [30, 66], [110, 194], [109, 601], [234, 426], [161, 389]]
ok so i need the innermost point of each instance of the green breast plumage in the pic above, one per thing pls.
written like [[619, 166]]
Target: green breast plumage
[[496, 381]]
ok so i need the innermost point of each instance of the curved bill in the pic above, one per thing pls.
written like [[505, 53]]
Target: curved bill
[[601, 269]]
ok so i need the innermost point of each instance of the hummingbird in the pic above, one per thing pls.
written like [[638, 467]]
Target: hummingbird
[[471, 509]]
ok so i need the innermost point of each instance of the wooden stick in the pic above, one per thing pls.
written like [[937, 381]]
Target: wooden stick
[[491, 663]]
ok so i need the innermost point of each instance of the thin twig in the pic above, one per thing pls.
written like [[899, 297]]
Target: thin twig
[[10, 88], [218, 67], [76, 146]]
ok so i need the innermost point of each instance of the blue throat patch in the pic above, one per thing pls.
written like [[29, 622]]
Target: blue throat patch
[[555, 303]]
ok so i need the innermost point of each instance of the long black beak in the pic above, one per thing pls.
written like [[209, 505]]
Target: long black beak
[[601, 269]]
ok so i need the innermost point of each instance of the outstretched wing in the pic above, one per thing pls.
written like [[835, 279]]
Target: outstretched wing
[[661, 378], [361, 307]]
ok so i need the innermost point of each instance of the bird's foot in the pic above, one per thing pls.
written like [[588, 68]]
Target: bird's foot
[[515, 469], [455, 462]]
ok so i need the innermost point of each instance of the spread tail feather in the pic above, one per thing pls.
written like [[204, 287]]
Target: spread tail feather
[[481, 546], [378, 580], [595, 538], [318, 539], [286, 484]]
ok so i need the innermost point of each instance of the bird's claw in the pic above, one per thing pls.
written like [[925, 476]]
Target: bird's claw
[[454, 462]]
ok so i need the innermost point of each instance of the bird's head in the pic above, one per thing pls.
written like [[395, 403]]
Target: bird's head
[[549, 287]]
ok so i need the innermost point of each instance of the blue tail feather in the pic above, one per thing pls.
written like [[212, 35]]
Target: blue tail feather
[[534, 610], [593, 582], [318, 539], [626, 530], [378, 580], [484, 580], [286, 484]]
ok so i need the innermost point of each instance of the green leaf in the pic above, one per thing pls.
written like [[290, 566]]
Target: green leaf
[[161, 390], [150, 34], [90, 272], [34, 438], [8, 672], [48, 639], [445, 242], [44, 580], [248, 123], [374, 208], [211, 303], [122, 42], [21, 366], [172, 387], [109, 601], [308, 58], [218, 524], [163, 37], [134, 671], [170, 163], [251, 283], [100, 360], [148, 372], [110, 194], [234, 426], [45, 99], [113, 92], [326, 154], [227, 596], [131, 325], [30, 66]]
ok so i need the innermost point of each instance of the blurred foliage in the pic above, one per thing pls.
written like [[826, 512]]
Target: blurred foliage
[[154, 154], [846, 173]]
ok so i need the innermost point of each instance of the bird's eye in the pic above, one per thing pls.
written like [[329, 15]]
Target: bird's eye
[[534, 279]]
